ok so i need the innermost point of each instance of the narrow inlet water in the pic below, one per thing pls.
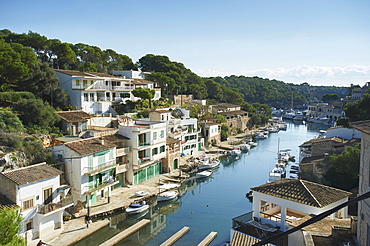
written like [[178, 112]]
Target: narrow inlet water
[[209, 204]]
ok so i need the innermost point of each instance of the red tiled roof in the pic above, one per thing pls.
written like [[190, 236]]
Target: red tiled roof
[[31, 173], [302, 191], [74, 116], [362, 126], [90, 146]]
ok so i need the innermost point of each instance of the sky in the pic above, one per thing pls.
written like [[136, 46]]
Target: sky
[[323, 42]]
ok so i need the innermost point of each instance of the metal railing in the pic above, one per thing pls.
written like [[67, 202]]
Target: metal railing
[[44, 209], [242, 219]]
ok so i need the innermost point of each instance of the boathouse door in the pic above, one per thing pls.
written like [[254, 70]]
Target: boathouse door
[[175, 163]]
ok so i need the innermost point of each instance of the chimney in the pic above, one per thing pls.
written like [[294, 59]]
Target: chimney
[[102, 141]]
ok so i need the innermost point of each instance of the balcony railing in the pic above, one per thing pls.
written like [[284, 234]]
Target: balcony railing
[[242, 220], [44, 209], [89, 171], [122, 151], [144, 160], [89, 190]]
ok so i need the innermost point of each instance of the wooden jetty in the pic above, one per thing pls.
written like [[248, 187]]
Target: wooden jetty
[[176, 236], [208, 239], [122, 235]]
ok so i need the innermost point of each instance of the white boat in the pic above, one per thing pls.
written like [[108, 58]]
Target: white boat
[[282, 126], [277, 172], [141, 193], [212, 163], [260, 135], [319, 120], [136, 208], [204, 174], [273, 129], [235, 151], [245, 147], [203, 160], [167, 195]]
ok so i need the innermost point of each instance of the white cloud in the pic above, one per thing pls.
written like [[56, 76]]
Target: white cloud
[[314, 75]]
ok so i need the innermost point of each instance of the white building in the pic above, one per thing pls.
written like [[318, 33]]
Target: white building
[[279, 205], [90, 168], [94, 93], [342, 132], [35, 189], [363, 226], [147, 140]]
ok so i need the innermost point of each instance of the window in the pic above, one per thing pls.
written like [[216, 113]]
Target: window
[[28, 204], [162, 149], [111, 154], [48, 196], [29, 224], [162, 134], [77, 82], [124, 95], [91, 82], [154, 151], [86, 97], [90, 163], [154, 135], [92, 97], [84, 82]]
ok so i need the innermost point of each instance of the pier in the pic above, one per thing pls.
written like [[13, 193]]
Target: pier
[[176, 236], [122, 235], [208, 239]]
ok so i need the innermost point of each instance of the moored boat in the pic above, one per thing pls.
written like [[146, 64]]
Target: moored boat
[[167, 195], [212, 163], [135, 208], [141, 193], [204, 174]]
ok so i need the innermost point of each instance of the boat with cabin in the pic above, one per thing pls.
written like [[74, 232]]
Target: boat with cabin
[[135, 208]]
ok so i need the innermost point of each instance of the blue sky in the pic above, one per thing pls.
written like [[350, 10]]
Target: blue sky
[[319, 42]]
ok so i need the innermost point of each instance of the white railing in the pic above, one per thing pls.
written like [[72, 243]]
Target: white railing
[[122, 151]]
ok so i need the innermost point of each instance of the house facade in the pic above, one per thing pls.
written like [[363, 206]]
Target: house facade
[[94, 93], [332, 111], [147, 140], [211, 132], [89, 167], [74, 122], [363, 222], [35, 189]]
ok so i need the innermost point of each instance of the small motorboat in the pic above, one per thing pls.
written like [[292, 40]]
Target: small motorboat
[[167, 195], [141, 193], [236, 152], [136, 208], [204, 174], [212, 163]]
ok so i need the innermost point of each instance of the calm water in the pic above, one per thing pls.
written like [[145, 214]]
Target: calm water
[[210, 204]]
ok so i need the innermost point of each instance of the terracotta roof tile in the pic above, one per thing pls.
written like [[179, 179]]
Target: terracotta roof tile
[[302, 191], [90, 146], [74, 116], [234, 112], [5, 202], [362, 126], [85, 74], [31, 173]]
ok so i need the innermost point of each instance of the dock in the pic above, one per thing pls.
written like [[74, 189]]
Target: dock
[[208, 239], [176, 236], [122, 235]]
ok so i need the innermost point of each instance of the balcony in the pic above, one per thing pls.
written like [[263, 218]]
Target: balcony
[[122, 151], [141, 144], [100, 187], [255, 227], [124, 167], [63, 203], [91, 171]]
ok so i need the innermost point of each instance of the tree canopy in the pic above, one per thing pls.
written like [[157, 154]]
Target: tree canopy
[[10, 226]]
